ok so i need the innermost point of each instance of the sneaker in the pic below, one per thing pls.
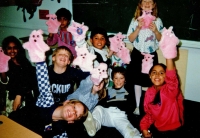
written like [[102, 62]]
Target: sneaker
[[89, 125], [137, 111]]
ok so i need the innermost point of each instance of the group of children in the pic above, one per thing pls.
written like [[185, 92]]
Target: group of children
[[61, 94]]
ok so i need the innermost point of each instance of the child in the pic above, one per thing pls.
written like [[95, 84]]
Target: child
[[144, 41], [163, 103], [98, 39], [20, 78], [117, 95], [62, 76], [48, 115], [91, 94], [63, 37]]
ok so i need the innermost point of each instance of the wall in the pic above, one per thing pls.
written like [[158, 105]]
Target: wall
[[12, 23]]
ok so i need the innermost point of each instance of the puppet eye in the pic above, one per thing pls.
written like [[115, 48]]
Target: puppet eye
[[38, 36], [33, 36]]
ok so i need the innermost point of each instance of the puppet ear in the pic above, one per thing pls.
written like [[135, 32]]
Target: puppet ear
[[40, 31]]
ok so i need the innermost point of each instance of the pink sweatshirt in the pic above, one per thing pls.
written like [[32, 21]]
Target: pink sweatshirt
[[63, 38], [167, 115]]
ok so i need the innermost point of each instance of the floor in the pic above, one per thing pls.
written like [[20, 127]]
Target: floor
[[191, 128]]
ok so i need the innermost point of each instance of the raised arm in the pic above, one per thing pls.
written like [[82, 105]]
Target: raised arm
[[170, 64]]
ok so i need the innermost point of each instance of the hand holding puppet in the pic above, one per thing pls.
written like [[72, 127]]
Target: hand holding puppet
[[147, 63], [3, 61], [84, 59], [53, 24], [168, 43], [36, 46], [99, 73], [115, 41], [123, 53], [147, 18], [78, 31]]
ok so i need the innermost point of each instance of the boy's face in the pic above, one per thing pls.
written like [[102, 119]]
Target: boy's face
[[72, 112], [118, 80], [64, 23], [61, 58], [98, 41]]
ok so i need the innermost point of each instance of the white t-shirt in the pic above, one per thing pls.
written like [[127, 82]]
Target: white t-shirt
[[146, 39]]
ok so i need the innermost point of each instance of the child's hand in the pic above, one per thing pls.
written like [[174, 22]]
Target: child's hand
[[140, 23], [146, 134], [17, 102], [153, 27]]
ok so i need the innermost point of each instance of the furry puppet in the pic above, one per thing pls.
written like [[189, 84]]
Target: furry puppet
[[147, 17], [99, 73], [36, 46], [115, 41], [168, 43], [53, 24], [78, 30], [3, 61], [84, 59], [123, 53], [147, 63]]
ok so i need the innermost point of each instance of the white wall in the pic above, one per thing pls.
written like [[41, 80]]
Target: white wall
[[12, 23], [192, 88]]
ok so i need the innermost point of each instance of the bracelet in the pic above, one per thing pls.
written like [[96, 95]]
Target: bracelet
[[5, 82]]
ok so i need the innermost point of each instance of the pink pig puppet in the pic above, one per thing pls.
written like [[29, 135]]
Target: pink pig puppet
[[36, 46], [3, 61], [147, 63], [147, 17], [78, 31], [99, 73], [123, 53], [168, 43], [115, 41], [53, 24], [84, 59]]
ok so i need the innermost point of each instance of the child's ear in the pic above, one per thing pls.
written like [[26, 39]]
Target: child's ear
[[53, 58], [91, 40]]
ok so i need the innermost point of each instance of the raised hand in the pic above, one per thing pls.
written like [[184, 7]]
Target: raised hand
[[36, 46]]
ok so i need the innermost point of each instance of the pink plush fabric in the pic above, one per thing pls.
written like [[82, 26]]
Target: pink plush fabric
[[118, 46], [168, 43], [84, 59], [115, 41], [147, 63], [53, 24], [148, 18], [36, 46], [3, 61], [99, 73], [78, 30], [123, 53]]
